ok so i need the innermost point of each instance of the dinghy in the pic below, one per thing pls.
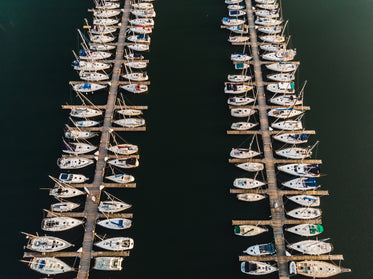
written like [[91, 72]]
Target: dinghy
[[135, 88], [250, 197], [291, 138], [261, 250], [282, 87], [105, 21], [232, 21], [84, 112], [88, 87], [138, 47], [284, 113], [249, 230], [240, 101], [288, 125], [115, 223], [142, 38], [116, 244], [305, 170], [302, 184], [142, 21], [130, 112], [267, 21], [283, 67], [46, 243], [257, 268], [72, 178], [109, 263], [130, 122], [112, 206], [77, 148], [287, 100], [124, 149], [90, 66], [243, 126], [73, 163], [284, 77], [121, 178], [106, 14], [125, 163], [144, 13], [306, 230], [243, 153], [242, 112], [58, 224], [282, 55], [238, 39], [240, 57], [49, 265], [274, 39], [318, 269], [232, 88], [136, 76], [270, 29], [76, 134], [247, 183], [294, 152], [251, 167], [64, 206], [305, 200], [65, 192], [304, 213], [312, 247]]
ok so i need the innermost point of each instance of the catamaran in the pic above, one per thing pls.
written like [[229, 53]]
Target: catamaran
[[115, 223], [112, 206], [116, 244], [109, 263], [247, 183], [58, 224]]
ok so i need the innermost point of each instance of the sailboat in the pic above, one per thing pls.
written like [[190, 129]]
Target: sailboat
[[312, 247], [87, 66], [105, 21], [242, 112], [267, 6], [294, 152], [266, 21], [74, 163], [141, 29], [125, 163], [305, 200], [78, 148], [112, 206], [139, 47], [124, 149], [130, 122], [282, 55], [261, 250], [306, 229], [64, 206], [304, 213], [232, 88], [240, 101], [232, 21], [235, 7], [144, 13], [283, 67], [93, 55], [251, 167], [72, 178], [109, 263], [243, 126], [302, 184], [116, 244], [115, 223], [257, 268], [282, 87], [240, 57], [143, 6], [284, 113], [238, 78], [142, 38], [250, 197], [130, 112], [318, 269], [274, 39], [288, 125], [272, 47], [136, 76], [92, 76], [101, 39], [249, 230], [287, 100], [270, 29], [121, 178], [65, 192], [135, 88], [58, 224], [291, 138], [106, 13], [49, 265], [284, 77], [46, 243], [247, 183], [238, 39], [142, 21], [88, 87], [232, 2], [84, 112], [305, 170], [106, 5], [76, 134], [103, 30], [243, 153]]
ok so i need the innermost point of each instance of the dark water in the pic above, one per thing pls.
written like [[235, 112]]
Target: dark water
[[182, 206]]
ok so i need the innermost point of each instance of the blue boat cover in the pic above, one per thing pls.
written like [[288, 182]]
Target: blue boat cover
[[82, 52], [234, 13], [87, 86], [310, 182], [64, 176], [42, 264]]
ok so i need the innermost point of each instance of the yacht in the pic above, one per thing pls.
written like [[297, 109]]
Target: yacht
[[72, 178], [249, 230], [251, 167], [247, 183], [261, 250], [257, 268], [116, 244], [124, 149], [73, 163], [312, 247], [125, 163], [305, 170], [306, 229], [121, 178], [304, 213], [58, 224], [115, 223], [49, 265], [112, 206]]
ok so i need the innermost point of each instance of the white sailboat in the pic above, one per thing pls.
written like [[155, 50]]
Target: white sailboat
[[73, 163], [136, 76], [72, 178], [311, 247], [115, 223], [282, 87], [232, 88], [283, 67], [107, 5], [287, 100], [129, 112], [266, 21], [306, 229], [88, 87], [144, 13], [304, 213], [105, 21], [274, 39], [108, 263], [136, 64], [92, 76], [272, 47], [260, 249], [58, 224], [270, 29], [249, 230], [250, 197], [76, 134], [141, 29], [125, 163], [142, 21], [240, 101], [236, 13], [243, 126], [238, 39], [87, 66], [106, 13], [232, 21], [305, 170], [318, 269], [84, 112], [78, 148], [101, 39], [143, 38], [282, 55], [112, 206], [65, 192], [242, 112], [116, 244], [121, 178], [103, 30], [143, 6], [124, 149], [257, 268], [49, 265], [294, 152], [130, 122], [288, 125], [138, 47], [64, 206], [243, 153], [284, 77], [238, 78], [291, 138], [284, 113], [46, 243], [240, 57], [247, 183], [135, 88], [305, 200], [302, 184], [251, 167], [93, 55]]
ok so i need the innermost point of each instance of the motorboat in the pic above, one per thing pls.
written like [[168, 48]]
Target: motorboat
[[261, 250], [121, 178], [116, 244], [291, 138], [304, 213], [135, 88], [284, 77], [249, 230], [105, 21], [236, 13], [238, 39], [142, 38], [318, 269], [243, 126], [242, 112], [274, 39], [243, 153], [58, 224], [305, 170], [302, 184], [282, 87], [109, 263], [270, 29], [49, 265], [86, 123], [257, 268], [282, 55], [78, 148], [124, 149], [106, 13], [144, 13], [232, 21], [73, 163], [76, 134], [112, 206], [284, 113], [88, 87], [115, 223], [65, 192], [240, 101], [240, 57], [267, 21], [64, 206], [126, 163], [232, 88], [84, 112], [46, 243], [288, 125], [283, 67], [93, 55], [287, 100], [294, 152], [87, 66], [92, 76], [72, 178], [130, 122], [142, 21], [136, 76], [251, 167], [247, 183], [305, 200], [250, 197], [311, 247], [129, 112], [307, 230], [138, 47]]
